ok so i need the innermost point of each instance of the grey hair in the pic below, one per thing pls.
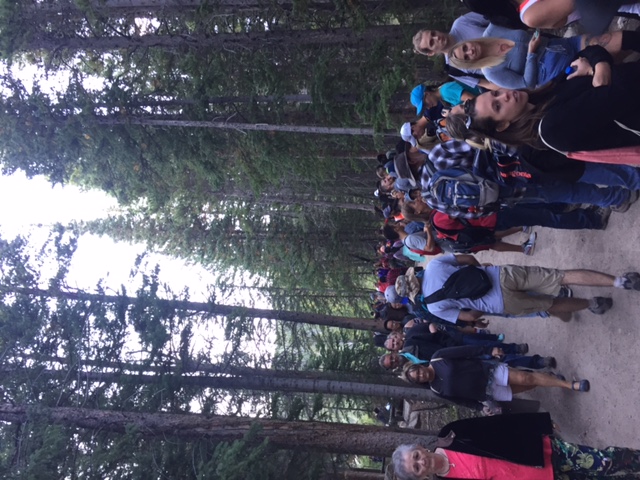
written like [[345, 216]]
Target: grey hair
[[381, 360], [401, 468], [385, 355]]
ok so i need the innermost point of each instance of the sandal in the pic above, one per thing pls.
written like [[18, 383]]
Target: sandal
[[581, 386]]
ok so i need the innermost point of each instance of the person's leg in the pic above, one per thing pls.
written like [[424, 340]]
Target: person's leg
[[568, 305], [500, 246], [611, 175], [588, 277], [534, 362], [615, 42], [510, 349], [548, 14], [539, 379], [476, 338], [577, 193], [543, 216], [507, 232]]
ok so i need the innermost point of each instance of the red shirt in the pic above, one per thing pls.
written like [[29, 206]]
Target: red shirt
[[472, 467]]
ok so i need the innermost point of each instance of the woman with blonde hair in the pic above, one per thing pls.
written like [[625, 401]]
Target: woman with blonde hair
[[517, 59]]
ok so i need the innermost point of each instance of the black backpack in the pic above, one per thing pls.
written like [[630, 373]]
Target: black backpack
[[468, 282]]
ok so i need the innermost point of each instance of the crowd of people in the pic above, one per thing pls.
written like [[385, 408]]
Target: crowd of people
[[531, 130]]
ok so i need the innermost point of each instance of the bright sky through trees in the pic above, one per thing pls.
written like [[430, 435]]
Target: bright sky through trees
[[31, 206]]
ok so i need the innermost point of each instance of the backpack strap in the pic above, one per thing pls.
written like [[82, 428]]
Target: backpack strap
[[455, 72]]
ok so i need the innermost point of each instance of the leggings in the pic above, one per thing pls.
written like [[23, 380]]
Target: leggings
[[579, 462]]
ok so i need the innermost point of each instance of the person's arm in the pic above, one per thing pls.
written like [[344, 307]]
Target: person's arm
[[469, 315], [431, 241], [467, 260], [596, 61], [507, 78]]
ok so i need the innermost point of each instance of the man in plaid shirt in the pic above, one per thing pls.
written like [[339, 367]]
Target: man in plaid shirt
[[455, 154]]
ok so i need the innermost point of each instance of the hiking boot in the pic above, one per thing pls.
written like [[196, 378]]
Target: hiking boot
[[565, 292], [549, 362], [529, 246], [631, 281], [601, 305], [523, 349], [623, 207], [604, 214]]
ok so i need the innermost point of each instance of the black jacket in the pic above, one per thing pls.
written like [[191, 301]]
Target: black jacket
[[515, 438], [582, 117]]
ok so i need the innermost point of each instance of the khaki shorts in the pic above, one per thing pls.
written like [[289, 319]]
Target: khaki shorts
[[517, 282]]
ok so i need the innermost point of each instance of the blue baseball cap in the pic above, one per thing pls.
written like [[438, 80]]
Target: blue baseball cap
[[417, 98]]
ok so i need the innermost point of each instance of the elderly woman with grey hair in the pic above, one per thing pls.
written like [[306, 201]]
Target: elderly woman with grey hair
[[508, 447]]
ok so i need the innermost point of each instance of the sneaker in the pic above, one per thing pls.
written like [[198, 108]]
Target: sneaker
[[623, 207], [529, 246], [523, 349], [527, 230], [549, 362], [565, 292], [631, 281], [602, 305]]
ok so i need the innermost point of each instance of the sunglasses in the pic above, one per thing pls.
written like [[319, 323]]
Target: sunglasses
[[466, 106]]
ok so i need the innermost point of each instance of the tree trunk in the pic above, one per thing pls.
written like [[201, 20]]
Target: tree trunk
[[213, 309], [309, 129], [329, 437], [253, 40], [393, 388]]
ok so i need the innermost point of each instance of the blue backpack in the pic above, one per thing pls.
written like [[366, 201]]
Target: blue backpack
[[462, 190]]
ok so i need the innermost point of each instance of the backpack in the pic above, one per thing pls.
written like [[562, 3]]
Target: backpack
[[467, 282], [465, 239], [462, 190]]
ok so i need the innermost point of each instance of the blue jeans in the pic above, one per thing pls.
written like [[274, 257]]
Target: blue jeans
[[611, 175], [570, 193], [507, 348], [539, 215], [557, 55]]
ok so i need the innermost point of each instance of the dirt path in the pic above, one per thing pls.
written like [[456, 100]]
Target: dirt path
[[604, 349]]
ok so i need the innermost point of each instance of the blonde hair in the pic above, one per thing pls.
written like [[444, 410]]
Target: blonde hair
[[480, 63]]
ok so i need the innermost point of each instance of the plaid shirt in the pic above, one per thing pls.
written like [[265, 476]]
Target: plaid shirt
[[461, 154], [454, 153]]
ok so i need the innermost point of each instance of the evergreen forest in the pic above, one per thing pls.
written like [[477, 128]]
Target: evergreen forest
[[237, 135]]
